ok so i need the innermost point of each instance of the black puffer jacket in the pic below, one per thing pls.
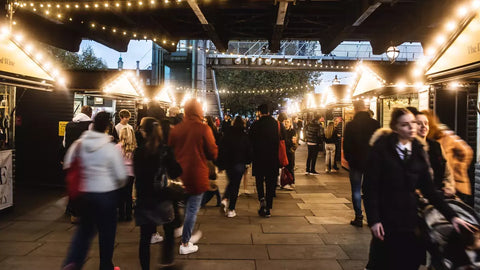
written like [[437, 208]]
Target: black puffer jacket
[[390, 183], [314, 132], [234, 148], [356, 137]]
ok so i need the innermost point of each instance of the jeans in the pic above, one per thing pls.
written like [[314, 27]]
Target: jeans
[[270, 185], [312, 157], [234, 175], [356, 184], [125, 201], [329, 155], [98, 212], [146, 232], [191, 209]]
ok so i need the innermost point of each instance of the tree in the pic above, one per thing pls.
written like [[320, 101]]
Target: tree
[[77, 61], [239, 81]]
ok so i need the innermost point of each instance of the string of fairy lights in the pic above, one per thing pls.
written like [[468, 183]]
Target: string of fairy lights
[[255, 92], [451, 26], [95, 5]]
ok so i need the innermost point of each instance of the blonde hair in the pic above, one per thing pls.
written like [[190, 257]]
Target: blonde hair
[[127, 140], [329, 131]]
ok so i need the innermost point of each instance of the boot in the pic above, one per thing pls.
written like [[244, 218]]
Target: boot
[[357, 222], [261, 211]]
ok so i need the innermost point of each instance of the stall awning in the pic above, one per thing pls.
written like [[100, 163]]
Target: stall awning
[[463, 52], [18, 67], [367, 81], [125, 84]]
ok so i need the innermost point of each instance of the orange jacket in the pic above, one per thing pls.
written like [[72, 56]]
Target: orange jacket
[[192, 142]]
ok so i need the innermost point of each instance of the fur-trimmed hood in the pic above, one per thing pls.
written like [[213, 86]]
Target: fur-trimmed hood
[[387, 131]]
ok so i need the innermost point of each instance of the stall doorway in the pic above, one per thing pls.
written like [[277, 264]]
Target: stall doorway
[[451, 109]]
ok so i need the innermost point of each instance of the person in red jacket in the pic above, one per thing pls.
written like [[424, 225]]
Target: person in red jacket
[[193, 143]]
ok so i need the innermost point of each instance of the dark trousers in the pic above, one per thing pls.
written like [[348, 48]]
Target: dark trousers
[[208, 195], [338, 155], [312, 157], [98, 212], [125, 201], [146, 232], [291, 163], [270, 185], [234, 175], [356, 177]]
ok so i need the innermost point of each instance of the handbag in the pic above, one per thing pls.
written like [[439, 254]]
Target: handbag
[[286, 178], [282, 150], [74, 175]]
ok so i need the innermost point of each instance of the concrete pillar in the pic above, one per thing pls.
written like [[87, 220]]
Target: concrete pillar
[[158, 65]]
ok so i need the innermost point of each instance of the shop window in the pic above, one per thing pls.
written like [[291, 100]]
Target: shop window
[[7, 101]]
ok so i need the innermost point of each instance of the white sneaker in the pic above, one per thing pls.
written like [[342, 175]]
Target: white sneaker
[[224, 205], [196, 236], [231, 213], [156, 238], [178, 232], [287, 187], [190, 248]]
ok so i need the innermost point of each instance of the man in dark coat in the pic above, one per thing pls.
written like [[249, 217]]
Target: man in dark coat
[[264, 137], [355, 149], [73, 130]]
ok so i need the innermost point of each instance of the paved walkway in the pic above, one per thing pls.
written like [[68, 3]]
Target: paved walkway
[[308, 230]]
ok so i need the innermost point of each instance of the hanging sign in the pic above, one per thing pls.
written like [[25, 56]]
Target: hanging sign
[[14, 60], [464, 50], [6, 179], [423, 101]]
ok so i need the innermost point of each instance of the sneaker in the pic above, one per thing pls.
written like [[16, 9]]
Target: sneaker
[[327, 170], [231, 213], [116, 268], [224, 205], [189, 248], [178, 232], [314, 173], [287, 187], [333, 170], [156, 238], [267, 213], [196, 237], [307, 173]]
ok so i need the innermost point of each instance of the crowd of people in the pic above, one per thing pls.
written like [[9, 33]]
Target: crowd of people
[[414, 157]]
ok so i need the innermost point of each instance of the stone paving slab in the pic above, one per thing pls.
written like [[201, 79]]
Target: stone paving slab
[[305, 252], [8, 248], [328, 220], [298, 265], [230, 252], [352, 264], [218, 264], [229, 228], [293, 221], [356, 251], [211, 237], [345, 228], [286, 239], [325, 200], [285, 228], [331, 212], [323, 206], [346, 238], [31, 262], [314, 195]]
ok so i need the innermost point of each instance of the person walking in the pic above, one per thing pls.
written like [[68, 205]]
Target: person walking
[[355, 149], [104, 174], [265, 138], [330, 138], [314, 132], [149, 159], [397, 166], [291, 146], [126, 145], [338, 143], [193, 144], [458, 154], [233, 155]]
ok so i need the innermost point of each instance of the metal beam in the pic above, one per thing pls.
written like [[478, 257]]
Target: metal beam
[[274, 43], [220, 44], [341, 34]]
